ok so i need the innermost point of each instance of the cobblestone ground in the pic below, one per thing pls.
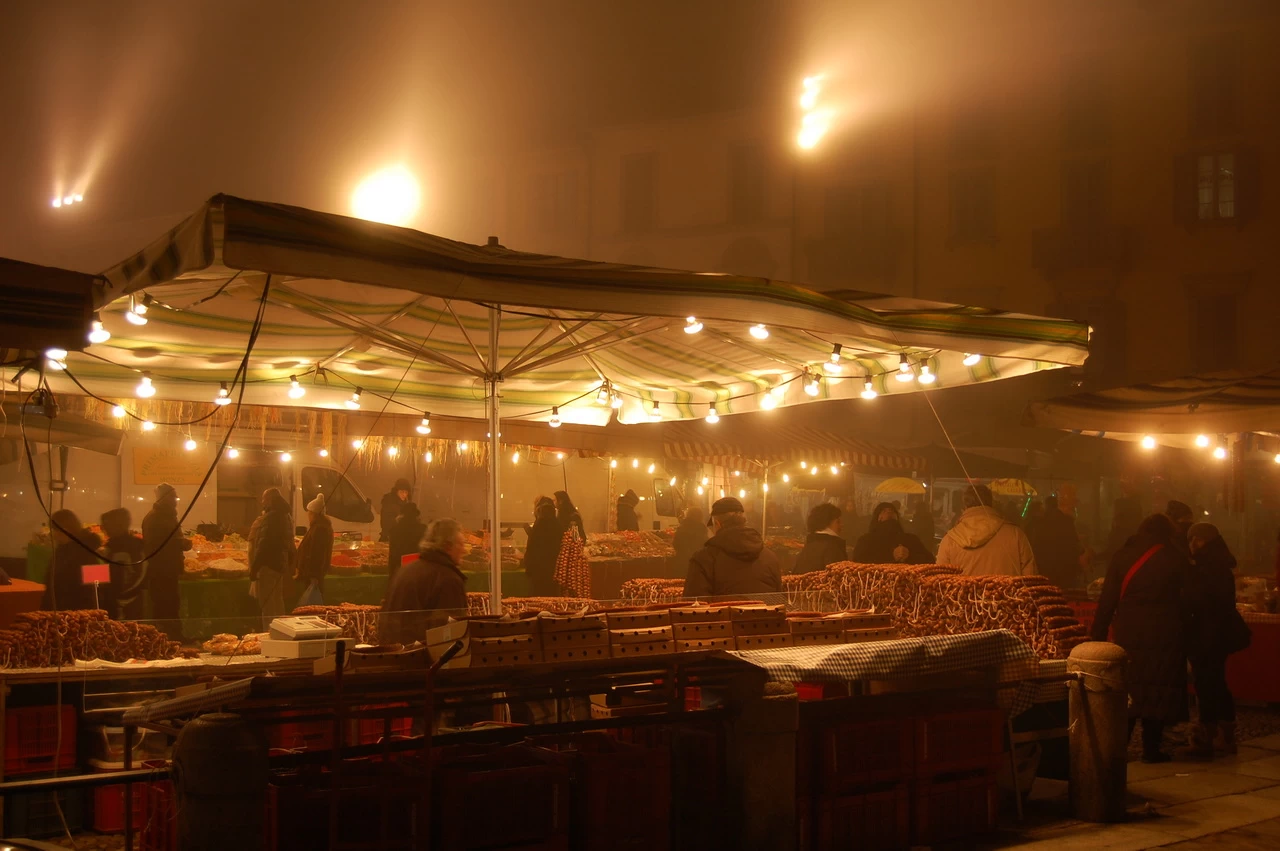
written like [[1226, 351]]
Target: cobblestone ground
[[1252, 722]]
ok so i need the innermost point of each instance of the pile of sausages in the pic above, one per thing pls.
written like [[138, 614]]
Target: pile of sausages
[[49, 639], [355, 621], [643, 592]]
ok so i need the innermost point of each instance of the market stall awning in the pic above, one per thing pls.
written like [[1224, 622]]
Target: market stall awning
[[397, 313], [1212, 403], [755, 447]]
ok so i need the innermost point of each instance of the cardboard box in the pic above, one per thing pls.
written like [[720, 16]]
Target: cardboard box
[[579, 653], [816, 639], [711, 629], [505, 650], [551, 623], [639, 619], [653, 648], [861, 636], [641, 635], [490, 627], [868, 620], [440, 638], [697, 644], [831, 623], [578, 638], [763, 642], [758, 611], [699, 614], [764, 626]]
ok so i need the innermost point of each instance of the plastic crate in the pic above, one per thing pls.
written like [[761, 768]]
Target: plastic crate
[[302, 735], [31, 739], [954, 807], [35, 815], [878, 819], [863, 752], [158, 826], [108, 807], [533, 787], [949, 742], [370, 731]]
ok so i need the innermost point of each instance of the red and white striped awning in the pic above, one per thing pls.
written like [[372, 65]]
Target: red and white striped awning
[[793, 444]]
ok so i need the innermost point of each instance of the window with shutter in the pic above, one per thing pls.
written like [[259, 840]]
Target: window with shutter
[[1216, 186]]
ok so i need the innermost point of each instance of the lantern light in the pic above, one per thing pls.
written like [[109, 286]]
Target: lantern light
[[424, 427], [602, 395], [145, 388], [224, 395], [554, 422], [971, 359], [869, 389], [759, 331], [353, 404], [713, 416], [296, 390], [692, 325]]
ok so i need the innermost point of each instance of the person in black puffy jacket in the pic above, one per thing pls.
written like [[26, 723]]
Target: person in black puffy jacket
[[734, 561], [824, 545]]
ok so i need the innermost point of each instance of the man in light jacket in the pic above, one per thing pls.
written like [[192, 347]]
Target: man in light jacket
[[983, 543]]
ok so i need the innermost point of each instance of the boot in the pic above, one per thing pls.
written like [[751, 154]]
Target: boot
[[1199, 747], [1225, 742]]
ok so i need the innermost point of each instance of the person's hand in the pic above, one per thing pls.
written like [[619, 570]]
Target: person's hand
[[900, 553], [253, 588]]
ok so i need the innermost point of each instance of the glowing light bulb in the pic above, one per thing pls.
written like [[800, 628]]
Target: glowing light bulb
[[1148, 442], [692, 325], [813, 126], [285, 457], [768, 402], [353, 404], [701, 490], [615, 400], [147, 425], [118, 411], [971, 359], [804, 465], [835, 471], [737, 473], [904, 364], [672, 482], [811, 386], [224, 395], [463, 446], [713, 416], [98, 333], [1220, 453], [424, 427], [706, 480], [390, 196], [602, 395], [926, 375], [833, 363], [760, 332], [651, 469], [296, 390], [324, 453], [68, 200], [515, 457], [559, 456], [145, 388], [813, 471], [190, 445], [57, 202], [786, 477], [55, 354], [554, 422], [765, 487], [1202, 440], [233, 453], [428, 458], [869, 389], [635, 463], [79, 197], [655, 412], [613, 463], [357, 444], [393, 451], [1277, 458], [742, 493]]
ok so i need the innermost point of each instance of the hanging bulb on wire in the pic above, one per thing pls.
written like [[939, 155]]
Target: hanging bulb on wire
[[926, 375], [971, 359], [713, 416], [1202, 441], [692, 325], [811, 385], [296, 390], [768, 402], [869, 389], [905, 372], [56, 358], [655, 413], [602, 395], [832, 365], [760, 332], [353, 404], [224, 395], [424, 427], [136, 312], [147, 425], [145, 388], [190, 445], [554, 422], [97, 332], [232, 452], [118, 412], [615, 400]]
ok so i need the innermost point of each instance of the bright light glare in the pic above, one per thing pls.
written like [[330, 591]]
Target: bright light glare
[[98, 334], [768, 402], [760, 332], [285, 457], [813, 127], [1202, 440], [57, 202], [1148, 442], [190, 445], [1220, 453], [971, 359], [118, 411], [390, 196]]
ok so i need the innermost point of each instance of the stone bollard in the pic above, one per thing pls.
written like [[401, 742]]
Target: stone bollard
[[219, 775], [1099, 731]]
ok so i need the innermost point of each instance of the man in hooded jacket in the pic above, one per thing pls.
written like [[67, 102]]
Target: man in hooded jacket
[[983, 543], [734, 560], [163, 540], [393, 501], [628, 520]]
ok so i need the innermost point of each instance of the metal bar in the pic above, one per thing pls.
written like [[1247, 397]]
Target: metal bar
[[601, 341], [494, 381], [323, 362], [81, 781], [515, 363], [129, 731], [490, 365]]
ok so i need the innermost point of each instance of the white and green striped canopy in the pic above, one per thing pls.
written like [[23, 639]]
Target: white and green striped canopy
[[404, 314]]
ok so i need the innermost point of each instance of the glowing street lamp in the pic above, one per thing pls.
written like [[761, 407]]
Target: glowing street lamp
[[390, 196]]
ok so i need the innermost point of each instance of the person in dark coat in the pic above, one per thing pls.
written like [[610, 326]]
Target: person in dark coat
[[271, 554], [1213, 595], [541, 550], [567, 514], [886, 542], [164, 542], [824, 545], [315, 551], [1056, 545], [734, 560], [1146, 598], [1183, 518], [406, 537], [691, 536], [628, 520], [73, 548], [124, 552], [392, 501], [427, 592]]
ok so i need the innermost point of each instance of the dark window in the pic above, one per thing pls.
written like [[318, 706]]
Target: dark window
[[746, 183], [555, 201], [973, 133], [859, 212], [341, 499], [639, 188], [1214, 327], [1213, 85], [1215, 187], [1084, 194], [1086, 116], [973, 205]]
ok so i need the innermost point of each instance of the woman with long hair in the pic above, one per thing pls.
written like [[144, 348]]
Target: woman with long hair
[[573, 572]]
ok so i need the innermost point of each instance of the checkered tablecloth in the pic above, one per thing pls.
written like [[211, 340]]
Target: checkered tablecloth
[[1012, 660]]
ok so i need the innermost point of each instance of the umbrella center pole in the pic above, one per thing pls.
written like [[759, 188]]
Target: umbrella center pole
[[493, 382]]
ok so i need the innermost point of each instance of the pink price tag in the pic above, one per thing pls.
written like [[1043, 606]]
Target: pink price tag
[[91, 573], [409, 559]]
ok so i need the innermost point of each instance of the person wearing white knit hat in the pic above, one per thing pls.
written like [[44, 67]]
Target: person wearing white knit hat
[[315, 552]]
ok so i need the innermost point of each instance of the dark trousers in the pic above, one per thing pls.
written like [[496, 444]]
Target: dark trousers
[[166, 603], [1152, 734], [1216, 703]]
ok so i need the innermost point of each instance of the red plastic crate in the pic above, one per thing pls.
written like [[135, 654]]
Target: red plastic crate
[[953, 808], [31, 739], [821, 691], [370, 731], [863, 752], [948, 742], [158, 826], [878, 819], [302, 735], [108, 807], [533, 787]]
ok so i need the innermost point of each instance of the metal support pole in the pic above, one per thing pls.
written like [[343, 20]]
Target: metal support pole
[[764, 504], [493, 379]]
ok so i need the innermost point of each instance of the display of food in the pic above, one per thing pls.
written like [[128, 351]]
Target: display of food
[[644, 591], [48, 639], [355, 621], [228, 644], [610, 546]]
